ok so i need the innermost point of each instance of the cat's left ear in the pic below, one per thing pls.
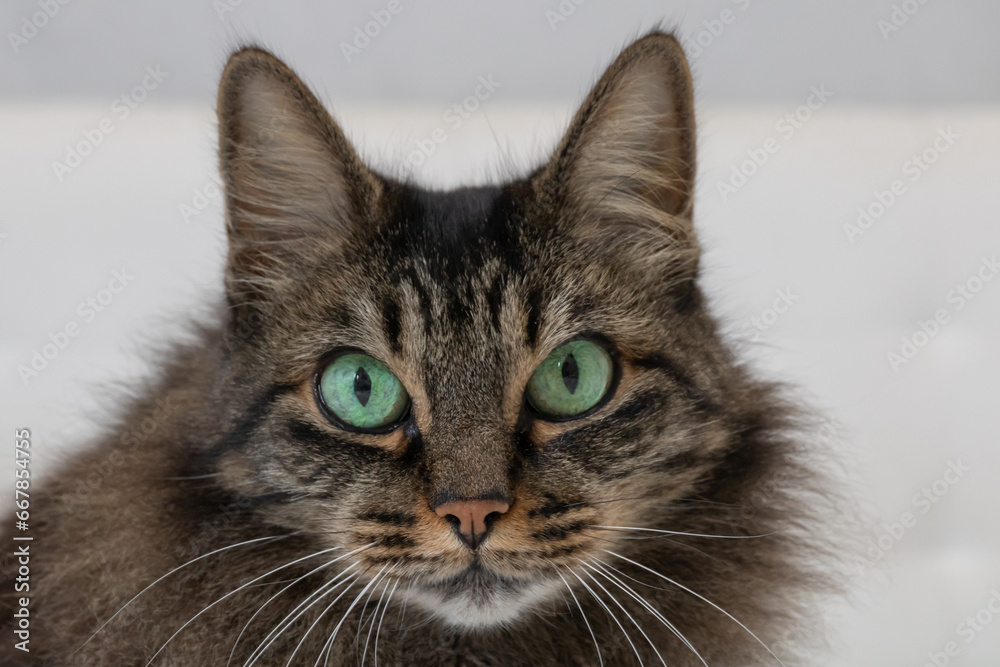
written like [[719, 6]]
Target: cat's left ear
[[623, 174], [293, 181]]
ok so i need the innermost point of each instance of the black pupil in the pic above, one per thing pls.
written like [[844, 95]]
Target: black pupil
[[570, 373], [362, 386]]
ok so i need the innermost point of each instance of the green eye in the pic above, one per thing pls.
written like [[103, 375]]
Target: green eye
[[571, 380], [362, 392]]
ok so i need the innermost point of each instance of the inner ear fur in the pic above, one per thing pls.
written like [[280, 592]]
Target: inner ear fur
[[624, 172], [292, 179]]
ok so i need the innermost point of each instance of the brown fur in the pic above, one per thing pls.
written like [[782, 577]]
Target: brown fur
[[462, 294]]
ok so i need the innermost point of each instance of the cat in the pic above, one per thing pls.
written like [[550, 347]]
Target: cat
[[496, 425]]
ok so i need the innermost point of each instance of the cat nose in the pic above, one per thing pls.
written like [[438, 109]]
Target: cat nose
[[472, 519]]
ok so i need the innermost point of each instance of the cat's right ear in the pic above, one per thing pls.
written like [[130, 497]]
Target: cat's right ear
[[293, 182], [622, 178]]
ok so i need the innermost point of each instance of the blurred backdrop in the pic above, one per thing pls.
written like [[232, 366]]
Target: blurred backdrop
[[848, 207]]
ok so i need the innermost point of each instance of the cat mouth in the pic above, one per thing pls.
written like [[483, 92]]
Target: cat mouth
[[477, 582], [479, 598]]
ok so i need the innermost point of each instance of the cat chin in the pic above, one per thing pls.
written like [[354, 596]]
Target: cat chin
[[483, 608]]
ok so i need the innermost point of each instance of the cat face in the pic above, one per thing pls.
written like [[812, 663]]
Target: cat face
[[467, 387]]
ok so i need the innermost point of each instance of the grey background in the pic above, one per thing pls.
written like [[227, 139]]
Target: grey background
[[900, 430], [946, 52]]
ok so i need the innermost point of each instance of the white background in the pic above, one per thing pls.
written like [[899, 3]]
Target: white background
[[784, 229]]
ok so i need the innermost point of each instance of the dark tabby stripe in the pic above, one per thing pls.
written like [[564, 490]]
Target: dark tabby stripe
[[392, 540], [691, 391], [251, 419], [534, 317], [393, 518], [494, 299], [554, 507], [559, 532], [410, 275], [391, 317]]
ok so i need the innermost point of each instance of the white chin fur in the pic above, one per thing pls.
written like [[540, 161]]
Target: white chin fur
[[481, 611]]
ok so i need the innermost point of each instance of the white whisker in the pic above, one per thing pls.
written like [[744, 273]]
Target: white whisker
[[402, 612], [182, 479], [649, 607], [270, 599], [179, 567], [289, 619], [674, 532], [319, 594], [328, 647], [379, 630], [628, 615], [610, 613], [320, 617], [702, 598], [371, 625], [224, 597], [361, 617], [350, 584], [589, 629]]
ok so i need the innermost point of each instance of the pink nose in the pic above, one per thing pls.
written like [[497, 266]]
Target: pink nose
[[470, 517]]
